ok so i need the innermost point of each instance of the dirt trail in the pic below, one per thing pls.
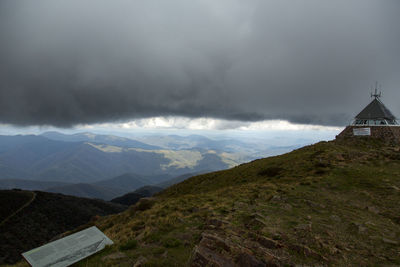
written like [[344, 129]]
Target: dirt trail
[[21, 208]]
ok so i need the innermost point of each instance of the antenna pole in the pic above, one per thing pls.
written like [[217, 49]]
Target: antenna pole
[[376, 95]]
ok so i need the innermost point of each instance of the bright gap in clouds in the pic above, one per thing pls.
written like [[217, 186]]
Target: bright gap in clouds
[[217, 128], [210, 127], [208, 124]]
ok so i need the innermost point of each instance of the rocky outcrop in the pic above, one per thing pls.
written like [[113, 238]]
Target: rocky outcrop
[[216, 250]]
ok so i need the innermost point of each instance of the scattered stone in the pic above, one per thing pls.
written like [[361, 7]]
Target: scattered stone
[[370, 223], [214, 242], [255, 223], [268, 243], [373, 209], [275, 198], [287, 207], [259, 216], [315, 205], [357, 205], [327, 232], [365, 193], [248, 260], [141, 235], [388, 241], [204, 256], [240, 205], [336, 218], [194, 210], [395, 188], [306, 251], [340, 157], [360, 228], [185, 237], [277, 236], [141, 261], [217, 222], [114, 256], [303, 227], [334, 250]]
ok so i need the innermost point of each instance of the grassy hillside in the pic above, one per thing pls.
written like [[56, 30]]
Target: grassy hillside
[[133, 197], [332, 203]]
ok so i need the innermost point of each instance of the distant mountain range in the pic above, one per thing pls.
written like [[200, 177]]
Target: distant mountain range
[[29, 184], [106, 189], [89, 158], [99, 138], [196, 141], [107, 166], [126, 182], [87, 191]]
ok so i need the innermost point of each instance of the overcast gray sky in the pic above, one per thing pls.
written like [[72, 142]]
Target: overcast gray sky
[[69, 62]]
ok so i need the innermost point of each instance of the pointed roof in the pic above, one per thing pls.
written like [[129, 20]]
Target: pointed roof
[[375, 110]]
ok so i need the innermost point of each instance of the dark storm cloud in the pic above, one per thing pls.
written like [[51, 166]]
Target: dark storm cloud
[[69, 62]]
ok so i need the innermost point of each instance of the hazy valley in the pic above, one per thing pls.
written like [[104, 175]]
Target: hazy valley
[[108, 166]]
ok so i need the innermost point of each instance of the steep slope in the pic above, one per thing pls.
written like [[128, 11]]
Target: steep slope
[[128, 199], [37, 217], [133, 197], [178, 179], [148, 190], [332, 203]]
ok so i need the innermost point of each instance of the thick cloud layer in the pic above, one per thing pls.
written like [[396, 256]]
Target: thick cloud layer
[[87, 61]]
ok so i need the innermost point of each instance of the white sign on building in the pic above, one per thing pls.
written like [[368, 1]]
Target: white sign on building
[[361, 131]]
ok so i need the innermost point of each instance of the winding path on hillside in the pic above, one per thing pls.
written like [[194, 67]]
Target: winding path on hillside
[[21, 208]]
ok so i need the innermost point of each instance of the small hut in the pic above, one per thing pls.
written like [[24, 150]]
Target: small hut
[[375, 121]]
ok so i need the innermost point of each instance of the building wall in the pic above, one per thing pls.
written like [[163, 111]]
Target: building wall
[[387, 133]]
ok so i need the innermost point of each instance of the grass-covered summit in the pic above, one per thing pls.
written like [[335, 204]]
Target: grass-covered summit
[[332, 203]]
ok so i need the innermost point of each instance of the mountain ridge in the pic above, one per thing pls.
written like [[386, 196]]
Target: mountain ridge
[[38, 158], [98, 138]]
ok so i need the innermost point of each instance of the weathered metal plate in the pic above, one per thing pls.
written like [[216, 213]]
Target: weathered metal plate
[[361, 131], [68, 250]]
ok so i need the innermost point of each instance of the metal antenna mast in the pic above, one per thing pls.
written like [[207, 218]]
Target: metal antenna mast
[[376, 95]]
